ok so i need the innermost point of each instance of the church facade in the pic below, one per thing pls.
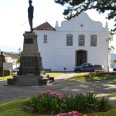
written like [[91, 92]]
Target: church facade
[[80, 40]]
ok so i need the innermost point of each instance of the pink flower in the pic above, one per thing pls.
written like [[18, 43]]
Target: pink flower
[[60, 95], [50, 92], [74, 115], [74, 112], [69, 113], [58, 115]]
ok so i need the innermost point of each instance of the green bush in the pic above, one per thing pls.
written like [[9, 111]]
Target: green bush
[[6, 73], [50, 102], [103, 104], [47, 102]]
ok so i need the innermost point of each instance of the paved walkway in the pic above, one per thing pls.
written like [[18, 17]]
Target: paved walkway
[[60, 85]]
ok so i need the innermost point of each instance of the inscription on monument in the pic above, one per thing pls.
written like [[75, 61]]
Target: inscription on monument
[[29, 65], [28, 41]]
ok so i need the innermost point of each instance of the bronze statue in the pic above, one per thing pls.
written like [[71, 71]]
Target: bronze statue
[[30, 15]]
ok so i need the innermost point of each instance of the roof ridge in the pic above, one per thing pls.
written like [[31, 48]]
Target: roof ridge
[[45, 26]]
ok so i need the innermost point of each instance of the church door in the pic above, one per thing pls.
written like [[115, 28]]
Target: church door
[[81, 57]]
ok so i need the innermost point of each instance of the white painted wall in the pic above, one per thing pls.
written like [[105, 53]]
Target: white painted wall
[[56, 55], [12, 60]]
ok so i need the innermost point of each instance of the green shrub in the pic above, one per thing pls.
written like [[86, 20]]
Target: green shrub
[[50, 102], [103, 104], [34, 103], [6, 73], [47, 102], [91, 101]]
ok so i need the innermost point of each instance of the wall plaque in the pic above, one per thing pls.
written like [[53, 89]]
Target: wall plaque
[[28, 41]]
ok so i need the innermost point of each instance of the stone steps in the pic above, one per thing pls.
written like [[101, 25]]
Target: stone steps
[[30, 80], [27, 80]]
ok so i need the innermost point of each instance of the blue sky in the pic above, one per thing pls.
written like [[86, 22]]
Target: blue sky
[[14, 20]]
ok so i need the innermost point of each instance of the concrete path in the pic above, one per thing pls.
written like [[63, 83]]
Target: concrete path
[[60, 85]]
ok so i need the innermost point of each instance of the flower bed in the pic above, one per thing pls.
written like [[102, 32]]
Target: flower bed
[[75, 113], [49, 102]]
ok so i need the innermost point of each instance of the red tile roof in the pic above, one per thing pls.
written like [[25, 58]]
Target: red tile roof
[[45, 26], [10, 55]]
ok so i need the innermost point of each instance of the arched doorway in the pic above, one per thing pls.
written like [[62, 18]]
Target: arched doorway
[[81, 57]]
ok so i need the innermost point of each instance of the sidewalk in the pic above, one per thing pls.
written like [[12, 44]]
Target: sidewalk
[[60, 85]]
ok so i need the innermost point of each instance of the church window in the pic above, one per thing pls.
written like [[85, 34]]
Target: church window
[[81, 40], [93, 40], [45, 39], [69, 40]]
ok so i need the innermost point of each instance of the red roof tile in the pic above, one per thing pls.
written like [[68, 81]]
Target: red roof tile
[[10, 55], [44, 26]]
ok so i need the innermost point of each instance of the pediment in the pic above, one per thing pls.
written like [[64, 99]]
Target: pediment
[[81, 23]]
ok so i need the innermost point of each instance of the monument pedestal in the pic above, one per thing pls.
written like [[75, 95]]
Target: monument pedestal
[[30, 72], [30, 80], [30, 61]]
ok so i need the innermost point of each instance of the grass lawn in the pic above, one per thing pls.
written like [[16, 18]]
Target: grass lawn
[[112, 95], [111, 112], [54, 74], [88, 77], [6, 77], [50, 74], [14, 108]]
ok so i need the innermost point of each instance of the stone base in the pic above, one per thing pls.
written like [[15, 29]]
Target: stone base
[[30, 72], [29, 80]]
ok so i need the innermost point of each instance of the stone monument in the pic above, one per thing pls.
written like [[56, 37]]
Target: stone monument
[[2, 59], [30, 60], [30, 71]]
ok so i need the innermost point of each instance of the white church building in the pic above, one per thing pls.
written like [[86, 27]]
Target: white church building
[[80, 40]]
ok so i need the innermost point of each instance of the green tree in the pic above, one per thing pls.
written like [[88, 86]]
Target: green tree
[[115, 60], [18, 59], [19, 55], [75, 7]]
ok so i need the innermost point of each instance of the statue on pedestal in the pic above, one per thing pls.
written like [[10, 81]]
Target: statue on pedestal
[[30, 15], [30, 72]]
